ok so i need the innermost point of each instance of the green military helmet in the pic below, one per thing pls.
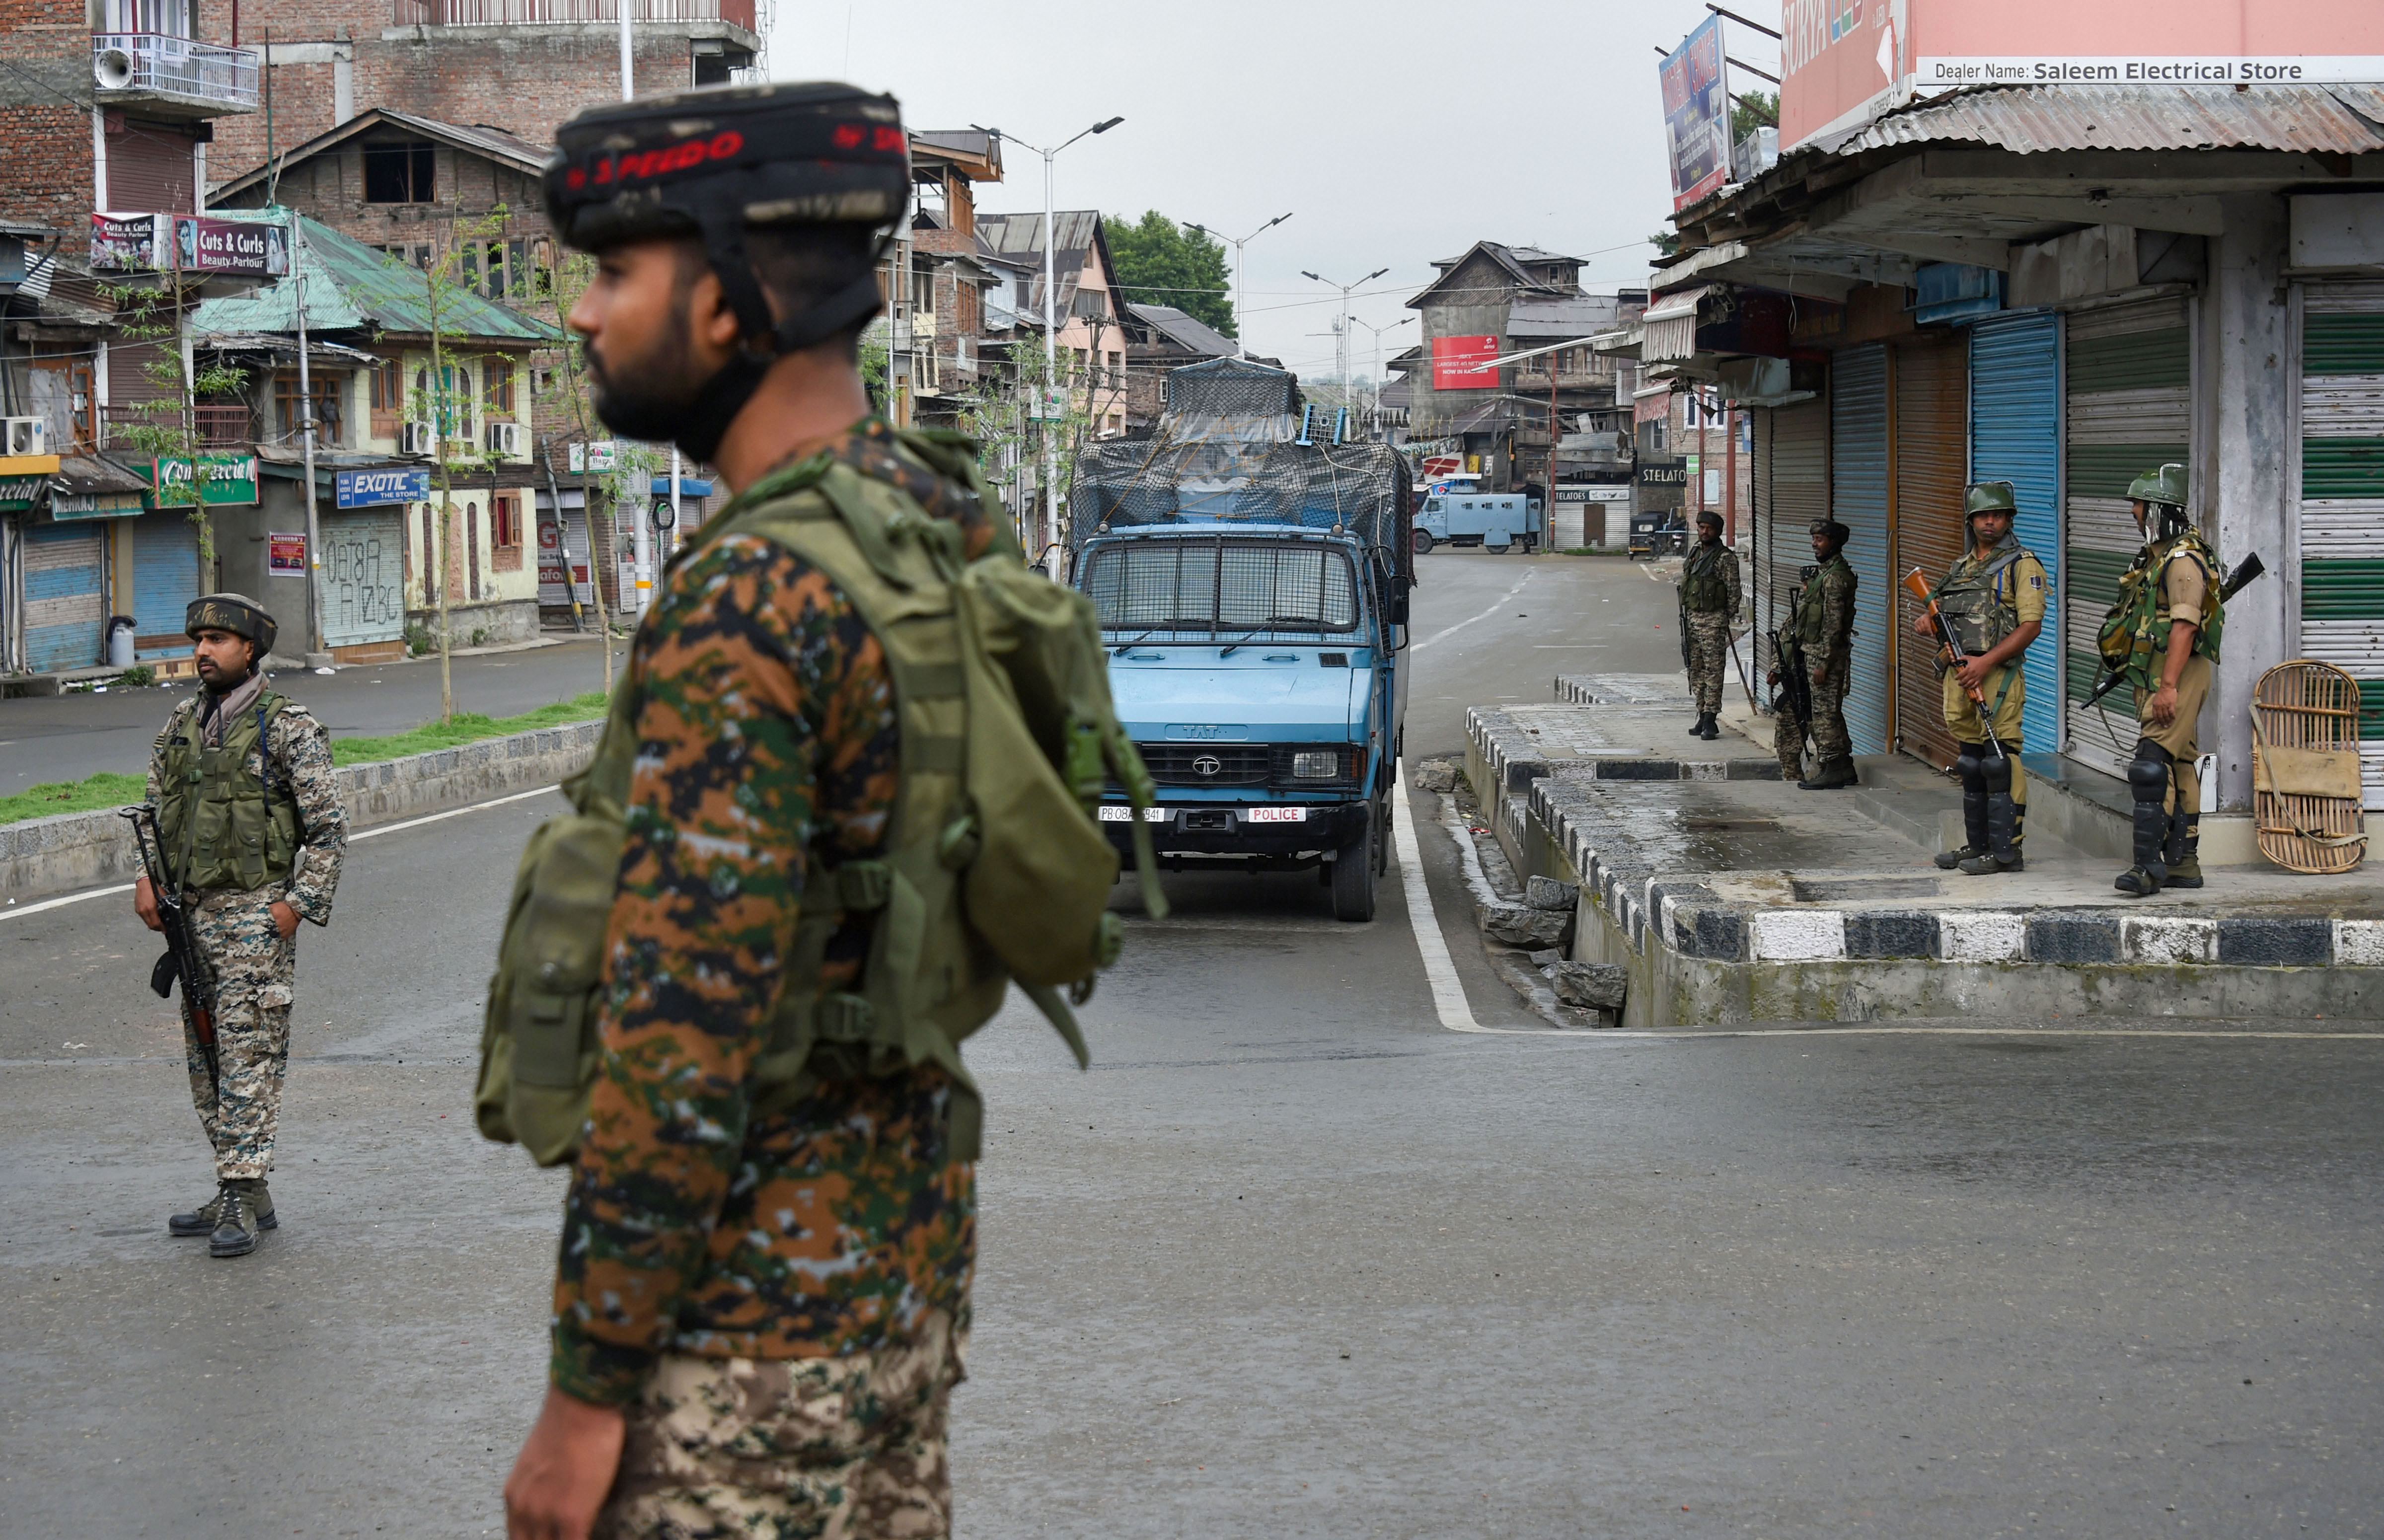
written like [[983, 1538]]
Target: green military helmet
[[1989, 497], [2164, 485]]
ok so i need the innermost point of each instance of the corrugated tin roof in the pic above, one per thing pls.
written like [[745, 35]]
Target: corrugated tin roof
[[1021, 235], [2031, 118], [350, 287], [1185, 331]]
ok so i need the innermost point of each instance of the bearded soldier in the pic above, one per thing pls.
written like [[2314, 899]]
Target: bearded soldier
[[252, 835], [1817, 648], [1993, 597], [760, 1307], [2161, 635], [1709, 605]]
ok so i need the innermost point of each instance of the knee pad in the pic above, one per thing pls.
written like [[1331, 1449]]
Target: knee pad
[[1997, 774], [2148, 773], [1969, 763]]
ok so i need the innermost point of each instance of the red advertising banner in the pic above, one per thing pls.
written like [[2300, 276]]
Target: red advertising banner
[[1455, 362], [550, 561], [1696, 115]]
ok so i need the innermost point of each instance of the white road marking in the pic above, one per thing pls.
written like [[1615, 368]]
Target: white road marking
[[1447, 992], [1452, 630], [13, 911]]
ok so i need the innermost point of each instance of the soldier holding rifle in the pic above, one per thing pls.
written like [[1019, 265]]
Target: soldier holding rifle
[[244, 829], [1816, 652]]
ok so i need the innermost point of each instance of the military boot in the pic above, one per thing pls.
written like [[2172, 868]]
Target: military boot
[[1698, 728], [245, 1213], [2184, 855], [1974, 828], [1833, 775], [199, 1220], [1708, 729], [2144, 878]]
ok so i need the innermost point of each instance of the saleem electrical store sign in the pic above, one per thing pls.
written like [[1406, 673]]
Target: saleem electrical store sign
[[224, 478], [371, 489]]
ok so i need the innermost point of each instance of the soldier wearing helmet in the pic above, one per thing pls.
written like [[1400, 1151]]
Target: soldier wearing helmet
[[252, 834], [1993, 596], [760, 1307], [2161, 635]]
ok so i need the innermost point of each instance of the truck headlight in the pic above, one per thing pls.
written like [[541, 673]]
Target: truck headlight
[[1318, 765]]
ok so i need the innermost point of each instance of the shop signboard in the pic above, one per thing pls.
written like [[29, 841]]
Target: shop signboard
[[1696, 115], [156, 242], [224, 478], [371, 489], [285, 555], [550, 559]]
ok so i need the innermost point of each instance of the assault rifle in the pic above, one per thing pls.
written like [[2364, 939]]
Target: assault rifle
[[182, 961], [1915, 583], [1795, 686], [2234, 583]]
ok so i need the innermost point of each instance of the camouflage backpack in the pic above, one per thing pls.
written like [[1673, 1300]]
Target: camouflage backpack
[[993, 870]]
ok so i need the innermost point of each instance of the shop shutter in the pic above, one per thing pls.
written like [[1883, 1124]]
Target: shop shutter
[[151, 169], [363, 577], [2342, 499], [1762, 520], [2016, 437], [1858, 494], [1800, 492], [1932, 461], [65, 606], [2127, 393], [165, 580]]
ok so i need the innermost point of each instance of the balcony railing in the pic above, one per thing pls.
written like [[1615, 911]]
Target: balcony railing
[[527, 13], [174, 66], [216, 427]]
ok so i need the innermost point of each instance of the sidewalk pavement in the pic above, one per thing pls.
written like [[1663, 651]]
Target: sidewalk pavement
[[1732, 896]]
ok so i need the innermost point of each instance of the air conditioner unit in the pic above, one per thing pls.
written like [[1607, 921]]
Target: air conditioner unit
[[416, 438], [26, 435], [505, 438], [111, 69]]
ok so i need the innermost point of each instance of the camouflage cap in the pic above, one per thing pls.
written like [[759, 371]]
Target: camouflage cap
[[236, 613], [2164, 484], [1705, 516], [1838, 533], [1989, 497]]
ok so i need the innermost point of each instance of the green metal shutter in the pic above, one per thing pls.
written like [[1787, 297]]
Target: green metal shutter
[[2128, 402], [2342, 498]]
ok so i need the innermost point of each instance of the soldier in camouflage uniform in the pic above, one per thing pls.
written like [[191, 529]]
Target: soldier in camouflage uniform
[[253, 832], [758, 1318], [1818, 641], [1710, 598]]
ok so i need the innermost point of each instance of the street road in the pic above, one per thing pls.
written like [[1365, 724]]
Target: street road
[[1292, 1261], [65, 738]]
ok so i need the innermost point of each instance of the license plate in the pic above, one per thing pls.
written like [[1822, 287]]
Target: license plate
[[1119, 813], [1276, 814]]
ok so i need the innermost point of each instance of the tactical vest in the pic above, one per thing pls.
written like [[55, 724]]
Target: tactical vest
[[2135, 633], [1806, 624], [1982, 609], [990, 869], [221, 824], [1703, 589]]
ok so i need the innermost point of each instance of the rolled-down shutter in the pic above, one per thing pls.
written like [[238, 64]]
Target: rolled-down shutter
[[2342, 499], [1932, 454], [2128, 378], [1760, 520], [363, 577], [165, 580], [2016, 437], [1858, 498], [65, 606], [1800, 492]]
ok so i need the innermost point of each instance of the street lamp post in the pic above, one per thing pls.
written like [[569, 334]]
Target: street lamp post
[[1343, 349], [1050, 324], [1241, 347], [1378, 331]]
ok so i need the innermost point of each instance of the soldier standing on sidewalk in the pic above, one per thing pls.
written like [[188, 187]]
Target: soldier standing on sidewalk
[[253, 832], [1710, 600], [1818, 644], [1993, 597], [2163, 635]]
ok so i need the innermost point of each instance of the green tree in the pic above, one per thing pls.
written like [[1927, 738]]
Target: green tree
[[1159, 261], [1755, 110], [164, 430], [565, 281]]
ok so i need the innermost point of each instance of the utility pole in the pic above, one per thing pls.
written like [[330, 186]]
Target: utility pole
[[1378, 331], [1342, 350], [1051, 325], [1241, 346], [317, 656], [641, 510]]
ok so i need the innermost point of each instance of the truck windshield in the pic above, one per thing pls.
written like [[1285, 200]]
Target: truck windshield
[[1196, 585]]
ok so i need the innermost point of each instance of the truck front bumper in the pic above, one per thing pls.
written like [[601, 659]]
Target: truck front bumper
[[1206, 834]]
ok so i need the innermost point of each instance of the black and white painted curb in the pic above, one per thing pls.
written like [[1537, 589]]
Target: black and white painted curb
[[1501, 742]]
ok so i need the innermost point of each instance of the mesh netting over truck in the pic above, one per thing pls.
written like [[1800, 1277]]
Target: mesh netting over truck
[[1229, 450]]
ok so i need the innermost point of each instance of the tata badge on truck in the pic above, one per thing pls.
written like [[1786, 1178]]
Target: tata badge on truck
[[1253, 592]]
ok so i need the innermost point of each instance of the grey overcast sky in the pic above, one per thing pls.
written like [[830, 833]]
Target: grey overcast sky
[[1394, 131]]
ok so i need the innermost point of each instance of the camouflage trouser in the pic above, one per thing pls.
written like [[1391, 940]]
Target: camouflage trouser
[[1827, 727], [1708, 655], [253, 969], [850, 1448]]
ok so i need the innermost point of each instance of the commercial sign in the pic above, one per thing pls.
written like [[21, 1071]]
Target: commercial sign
[[549, 561], [602, 455], [1457, 363], [1844, 62], [285, 555], [19, 493], [156, 242], [223, 478], [371, 489], [1696, 115]]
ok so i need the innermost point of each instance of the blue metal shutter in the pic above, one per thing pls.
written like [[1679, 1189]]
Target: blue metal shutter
[[2016, 437], [363, 577], [1858, 501], [165, 580], [64, 605], [2342, 499]]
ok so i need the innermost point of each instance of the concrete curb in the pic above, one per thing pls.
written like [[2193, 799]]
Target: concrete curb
[[42, 856]]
